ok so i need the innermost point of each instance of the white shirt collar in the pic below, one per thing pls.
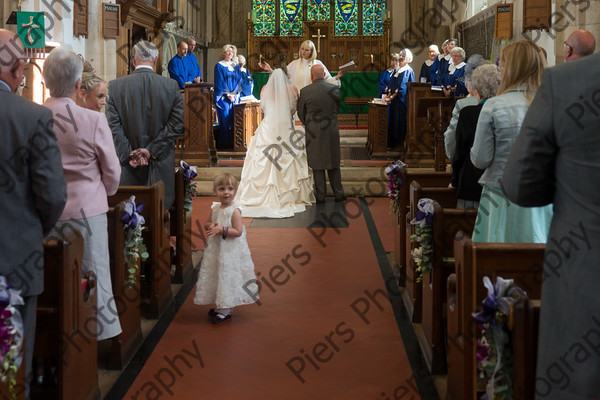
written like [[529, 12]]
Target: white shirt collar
[[229, 64], [400, 70], [144, 66], [6, 84], [452, 67], [448, 57], [428, 63]]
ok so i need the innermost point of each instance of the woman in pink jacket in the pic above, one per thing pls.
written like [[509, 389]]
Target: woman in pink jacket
[[92, 171]]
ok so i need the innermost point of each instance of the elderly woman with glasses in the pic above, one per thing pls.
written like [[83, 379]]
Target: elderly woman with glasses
[[397, 100], [453, 81]]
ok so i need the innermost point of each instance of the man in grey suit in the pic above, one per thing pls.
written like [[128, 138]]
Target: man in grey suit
[[317, 109], [33, 191], [556, 159], [145, 113]]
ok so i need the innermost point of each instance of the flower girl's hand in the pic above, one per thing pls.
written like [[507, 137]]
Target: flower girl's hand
[[214, 230]]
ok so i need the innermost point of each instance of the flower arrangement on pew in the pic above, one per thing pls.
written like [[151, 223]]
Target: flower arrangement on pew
[[11, 336], [393, 172], [134, 243], [423, 254], [189, 173], [494, 354]]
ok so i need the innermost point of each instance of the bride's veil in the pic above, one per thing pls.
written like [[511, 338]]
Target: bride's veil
[[278, 99]]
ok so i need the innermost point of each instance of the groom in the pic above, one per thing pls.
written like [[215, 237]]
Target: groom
[[317, 109]]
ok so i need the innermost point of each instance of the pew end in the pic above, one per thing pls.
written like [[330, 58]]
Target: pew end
[[66, 322], [127, 296], [181, 229], [156, 284]]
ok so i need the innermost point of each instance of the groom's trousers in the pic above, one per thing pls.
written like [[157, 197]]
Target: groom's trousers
[[335, 180]]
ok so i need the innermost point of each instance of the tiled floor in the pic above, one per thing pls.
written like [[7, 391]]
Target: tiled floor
[[329, 324]]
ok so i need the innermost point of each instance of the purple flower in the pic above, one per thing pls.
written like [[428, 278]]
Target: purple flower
[[189, 173], [132, 216], [482, 352]]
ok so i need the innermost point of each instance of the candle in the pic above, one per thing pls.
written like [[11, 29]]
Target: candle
[[248, 15], [388, 14]]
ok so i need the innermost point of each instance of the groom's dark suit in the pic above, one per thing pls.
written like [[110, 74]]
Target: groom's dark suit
[[317, 109]]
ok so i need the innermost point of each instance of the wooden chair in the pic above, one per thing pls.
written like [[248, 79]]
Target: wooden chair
[[127, 296], [66, 322], [522, 262], [156, 284]]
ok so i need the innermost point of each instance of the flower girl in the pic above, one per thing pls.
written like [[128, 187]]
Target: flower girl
[[227, 266]]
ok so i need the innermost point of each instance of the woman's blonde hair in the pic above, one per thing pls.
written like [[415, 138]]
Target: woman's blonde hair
[[311, 46], [521, 62], [223, 179], [89, 81], [224, 50]]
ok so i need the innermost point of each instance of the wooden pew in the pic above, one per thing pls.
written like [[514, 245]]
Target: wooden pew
[[413, 293], [446, 223], [156, 285], [127, 297], [425, 179], [524, 337], [66, 322], [522, 262], [181, 228]]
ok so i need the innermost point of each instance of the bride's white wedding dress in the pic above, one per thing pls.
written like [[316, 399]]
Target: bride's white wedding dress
[[276, 181]]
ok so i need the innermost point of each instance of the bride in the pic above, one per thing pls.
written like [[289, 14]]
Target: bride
[[276, 181]]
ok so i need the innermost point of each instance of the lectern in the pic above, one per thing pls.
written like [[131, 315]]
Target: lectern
[[418, 145], [246, 118], [198, 144]]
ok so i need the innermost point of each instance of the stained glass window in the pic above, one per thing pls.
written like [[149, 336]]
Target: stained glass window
[[318, 10], [373, 13], [264, 16], [290, 18], [346, 17]]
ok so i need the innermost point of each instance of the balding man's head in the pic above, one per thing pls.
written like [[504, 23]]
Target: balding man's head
[[317, 72], [11, 59], [579, 44]]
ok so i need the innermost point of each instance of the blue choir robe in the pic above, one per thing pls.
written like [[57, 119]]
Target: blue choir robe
[[228, 79], [397, 108], [384, 80], [192, 67], [177, 70], [455, 78], [425, 68], [184, 69], [433, 70], [247, 82]]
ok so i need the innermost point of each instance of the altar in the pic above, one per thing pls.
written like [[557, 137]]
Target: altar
[[354, 84]]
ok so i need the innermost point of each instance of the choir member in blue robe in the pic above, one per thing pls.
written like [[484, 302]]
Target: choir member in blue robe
[[397, 108], [433, 70], [247, 81], [453, 82], [384, 77], [228, 86], [427, 64], [444, 62], [177, 67], [191, 62]]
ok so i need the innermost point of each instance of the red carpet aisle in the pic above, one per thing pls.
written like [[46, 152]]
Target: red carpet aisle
[[324, 328]]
